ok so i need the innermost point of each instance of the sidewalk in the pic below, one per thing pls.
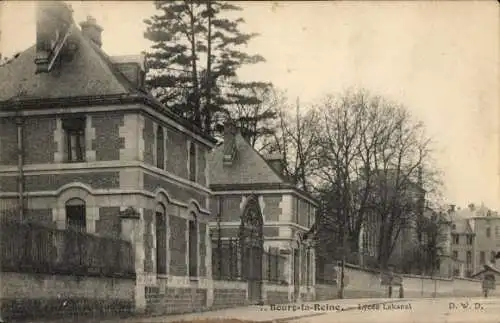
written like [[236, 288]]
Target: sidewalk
[[262, 314]]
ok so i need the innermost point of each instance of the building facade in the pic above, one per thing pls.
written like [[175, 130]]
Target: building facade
[[462, 248], [475, 238], [253, 202], [84, 147]]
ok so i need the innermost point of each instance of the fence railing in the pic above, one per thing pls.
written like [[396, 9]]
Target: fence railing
[[227, 262], [226, 259], [27, 247], [275, 263]]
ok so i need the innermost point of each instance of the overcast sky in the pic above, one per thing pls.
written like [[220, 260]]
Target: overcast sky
[[438, 58]]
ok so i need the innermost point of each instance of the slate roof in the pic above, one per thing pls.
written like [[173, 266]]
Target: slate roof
[[248, 167], [90, 78], [249, 171], [88, 74]]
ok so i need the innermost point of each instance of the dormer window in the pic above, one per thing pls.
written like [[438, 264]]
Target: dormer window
[[74, 130]]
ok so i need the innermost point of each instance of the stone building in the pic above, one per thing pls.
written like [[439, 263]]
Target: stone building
[[81, 142], [462, 248], [475, 236], [253, 202]]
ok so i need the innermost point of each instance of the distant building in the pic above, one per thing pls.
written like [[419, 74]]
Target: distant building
[[462, 239], [475, 237]]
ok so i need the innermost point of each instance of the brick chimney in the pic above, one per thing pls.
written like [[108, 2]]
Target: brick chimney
[[53, 21], [92, 31], [276, 161], [230, 132]]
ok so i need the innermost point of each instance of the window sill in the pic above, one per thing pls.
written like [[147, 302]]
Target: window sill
[[193, 279], [162, 276]]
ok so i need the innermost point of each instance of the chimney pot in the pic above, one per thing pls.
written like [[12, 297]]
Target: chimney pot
[[92, 30], [53, 20]]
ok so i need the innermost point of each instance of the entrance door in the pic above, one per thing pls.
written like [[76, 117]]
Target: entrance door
[[252, 246], [255, 274], [296, 274]]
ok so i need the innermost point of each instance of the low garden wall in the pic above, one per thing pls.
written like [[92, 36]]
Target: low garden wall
[[30, 295], [363, 282]]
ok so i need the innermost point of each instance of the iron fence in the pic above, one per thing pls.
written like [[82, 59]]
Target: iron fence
[[275, 263], [28, 247], [226, 259]]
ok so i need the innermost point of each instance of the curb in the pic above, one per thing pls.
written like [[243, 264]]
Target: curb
[[350, 308]]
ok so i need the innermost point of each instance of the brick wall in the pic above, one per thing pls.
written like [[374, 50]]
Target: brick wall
[[177, 153], [229, 294], [232, 207], [175, 300], [272, 207], [152, 182], [176, 150], [107, 142], [52, 182], [29, 296], [8, 141], [39, 144]]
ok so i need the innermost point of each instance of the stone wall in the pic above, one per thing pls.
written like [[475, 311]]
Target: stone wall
[[229, 294], [276, 294], [29, 296], [362, 282], [325, 292], [164, 299]]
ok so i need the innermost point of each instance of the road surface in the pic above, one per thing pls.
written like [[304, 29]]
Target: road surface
[[441, 310]]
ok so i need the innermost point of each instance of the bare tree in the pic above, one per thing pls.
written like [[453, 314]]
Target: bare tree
[[296, 138], [372, 158]]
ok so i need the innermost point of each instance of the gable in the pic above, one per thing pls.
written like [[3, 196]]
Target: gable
[[249, 167]]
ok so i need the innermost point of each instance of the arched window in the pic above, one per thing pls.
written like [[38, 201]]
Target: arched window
[[161, 240], [75, 215], [160, 148], [193, 245], [192, 161]]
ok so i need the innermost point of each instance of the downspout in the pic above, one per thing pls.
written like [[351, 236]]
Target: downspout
[[20, 163]]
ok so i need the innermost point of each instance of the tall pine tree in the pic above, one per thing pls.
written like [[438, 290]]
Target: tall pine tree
[[195, 56]]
